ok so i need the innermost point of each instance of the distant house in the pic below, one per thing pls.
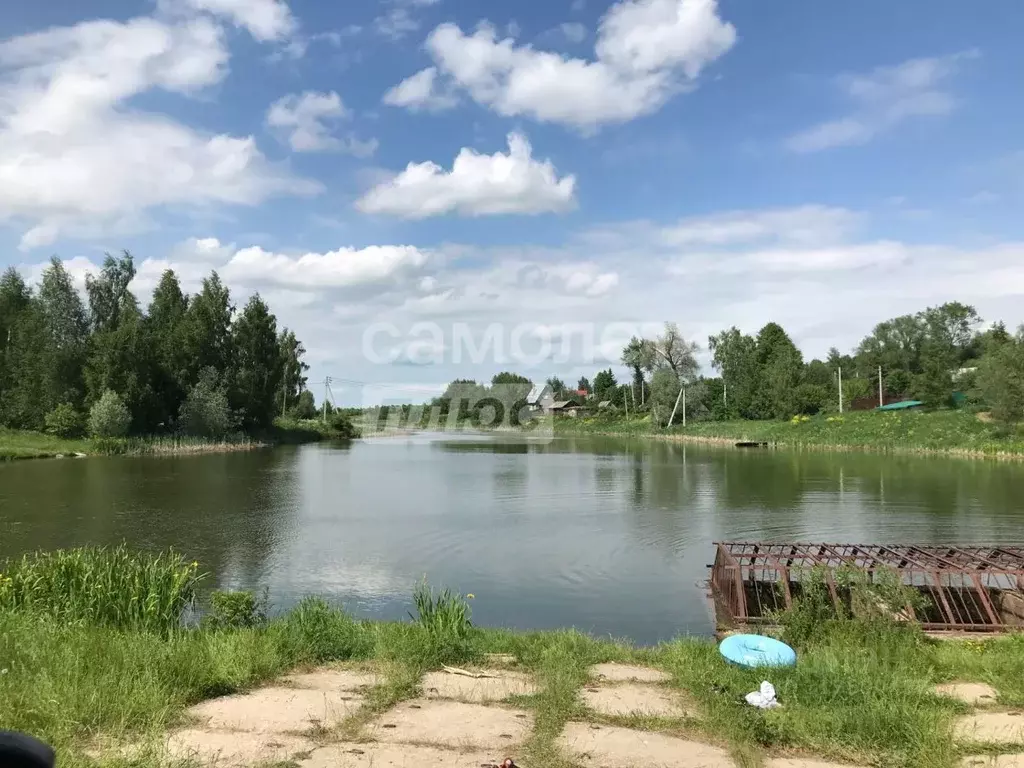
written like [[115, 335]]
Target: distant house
[[583, 393], [541, 399], [567, 408], [604, 404]]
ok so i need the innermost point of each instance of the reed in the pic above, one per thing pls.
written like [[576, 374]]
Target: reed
[[112, 587]]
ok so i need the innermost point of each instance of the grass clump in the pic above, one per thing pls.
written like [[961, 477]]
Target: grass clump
[[111, 587]]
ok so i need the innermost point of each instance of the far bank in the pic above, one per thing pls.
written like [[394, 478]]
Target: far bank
[[953, 433]]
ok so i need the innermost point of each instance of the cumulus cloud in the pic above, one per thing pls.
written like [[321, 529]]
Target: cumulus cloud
[[343, 268], [74, 157], [646, 52], [883, 99], [477, 185], [264, 19], [306, 120], [421, 91]]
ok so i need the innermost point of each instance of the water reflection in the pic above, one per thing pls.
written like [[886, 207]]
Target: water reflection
[[612, 536]]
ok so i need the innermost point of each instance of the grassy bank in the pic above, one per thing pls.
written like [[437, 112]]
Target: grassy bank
[[949, 432], [38, 445], [86, 670]]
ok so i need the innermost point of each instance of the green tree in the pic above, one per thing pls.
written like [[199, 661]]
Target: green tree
[[639, 355], [123, 358], [676, 353], [557, 386], [166, 322], [207, 332], [206, 411], [257, 371], [108, 292], [293, 369], [734, 355], [506, 377], [605, 385], [305, 406], [664, 391], [65, 330], [109, 416], [15, 316], [583, 385], [1001, 380], [779, 369]]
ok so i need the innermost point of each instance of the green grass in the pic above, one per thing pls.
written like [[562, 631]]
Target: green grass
[[16, 444], [953, 432], [860, 693]]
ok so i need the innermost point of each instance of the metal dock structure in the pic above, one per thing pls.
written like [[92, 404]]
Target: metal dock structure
[[965, 589]]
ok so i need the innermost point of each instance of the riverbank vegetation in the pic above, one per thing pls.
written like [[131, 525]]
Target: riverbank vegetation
[[967, 383], [94, 656], [188, 373]]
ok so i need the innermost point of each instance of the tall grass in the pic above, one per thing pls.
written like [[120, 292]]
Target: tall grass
[[111, 587]]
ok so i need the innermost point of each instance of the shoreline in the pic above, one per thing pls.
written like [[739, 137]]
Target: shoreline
[[863, 691]]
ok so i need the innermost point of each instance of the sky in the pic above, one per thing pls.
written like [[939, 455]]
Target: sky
[[432, 189]]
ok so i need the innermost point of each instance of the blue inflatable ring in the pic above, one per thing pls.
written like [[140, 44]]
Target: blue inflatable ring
[[757, 651]]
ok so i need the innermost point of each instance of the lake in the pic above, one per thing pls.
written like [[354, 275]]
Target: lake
[[612, 536]]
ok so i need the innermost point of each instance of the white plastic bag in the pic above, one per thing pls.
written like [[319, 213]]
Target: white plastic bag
[[763, 698]]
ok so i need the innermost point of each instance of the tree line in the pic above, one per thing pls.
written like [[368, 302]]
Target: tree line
[[104, 366], [942, 356]]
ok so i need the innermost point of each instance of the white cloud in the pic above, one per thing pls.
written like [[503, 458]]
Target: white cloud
[[477, 185], [807, 225], [646, 52], [396, 24], [883, 99], [574, 31], [342, 268], [264, 19], [420, 91], [304, 119], [76, 160]]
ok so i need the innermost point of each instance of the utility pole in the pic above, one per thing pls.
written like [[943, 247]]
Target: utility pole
[[840, 389], [625, 402], [880, 400], [684, 408], [327, 387], [673, 416], [284, 393]]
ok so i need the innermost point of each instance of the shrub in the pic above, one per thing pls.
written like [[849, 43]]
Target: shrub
[[205, 412], [65, 421], [342, 424], [236, 610], [314, 632], [109, 417], [305, 407]]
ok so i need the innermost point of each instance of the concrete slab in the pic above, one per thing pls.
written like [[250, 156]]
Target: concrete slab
[[993, 761], [606, 747], [276, 710], [232, 748], [333, 680], [452, 724], [631, 699], [397, 756], [625, 673], [997, 727], [442, 685], [969, 693]]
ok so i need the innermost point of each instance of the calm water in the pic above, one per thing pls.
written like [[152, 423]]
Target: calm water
[[606, 535]]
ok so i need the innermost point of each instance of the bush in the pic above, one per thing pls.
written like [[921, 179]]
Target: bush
[[109, 417], [343, 425], [65, 421], [205, 412], [445, 617], [236, 610]]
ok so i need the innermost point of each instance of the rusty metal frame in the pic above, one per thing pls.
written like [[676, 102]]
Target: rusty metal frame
[[754, 579]]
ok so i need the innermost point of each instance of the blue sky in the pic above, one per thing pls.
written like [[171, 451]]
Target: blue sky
[[576, 170]]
